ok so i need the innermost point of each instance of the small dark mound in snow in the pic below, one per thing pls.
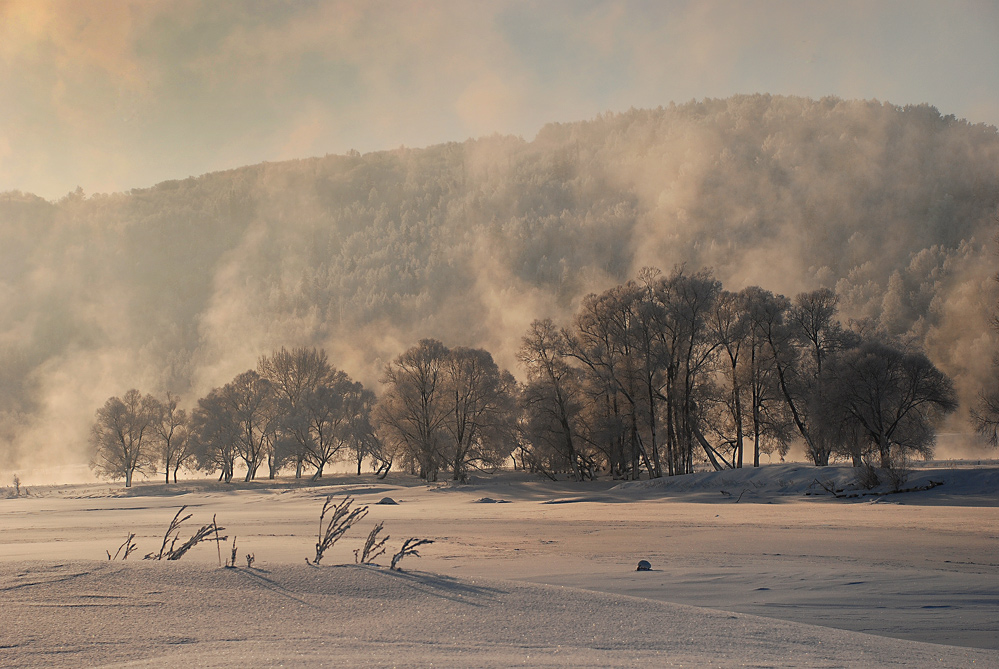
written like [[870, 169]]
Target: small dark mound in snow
[[644, 565], [490, 500], [387, 500]]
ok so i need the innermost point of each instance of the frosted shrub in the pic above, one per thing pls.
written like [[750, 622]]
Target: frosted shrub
[[899, 467], [867, 476]]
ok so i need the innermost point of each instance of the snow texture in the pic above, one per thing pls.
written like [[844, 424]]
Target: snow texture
[[776, 578]]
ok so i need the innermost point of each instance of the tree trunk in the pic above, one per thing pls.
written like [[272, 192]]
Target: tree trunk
[[738, 418], [652, 430], [884, 446]]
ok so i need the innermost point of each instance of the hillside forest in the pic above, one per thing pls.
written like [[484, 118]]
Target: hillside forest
[[485, 256]]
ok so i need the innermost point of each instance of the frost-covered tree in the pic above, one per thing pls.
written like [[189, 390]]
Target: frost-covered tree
[[776, 393], [171, 430], [413, 409], [296, 375], [215, 435], [894, 396], [606, 344], [122, 437], [250, 401], [552, 402], [729, 322], [448, 409], [985, 416], [480, 399]]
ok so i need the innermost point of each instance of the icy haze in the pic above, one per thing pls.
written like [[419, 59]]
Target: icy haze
[[180, 286]]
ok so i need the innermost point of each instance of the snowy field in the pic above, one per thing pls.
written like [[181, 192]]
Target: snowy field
[[750, 568]]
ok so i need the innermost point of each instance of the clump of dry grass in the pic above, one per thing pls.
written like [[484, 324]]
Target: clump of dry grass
[[341, 518], [172, 536]]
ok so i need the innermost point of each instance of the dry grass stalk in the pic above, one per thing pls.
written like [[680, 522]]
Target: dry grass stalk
[[408, 548], [231, 562], [341, 520], [128, 546], [373, 546], [172, 536]]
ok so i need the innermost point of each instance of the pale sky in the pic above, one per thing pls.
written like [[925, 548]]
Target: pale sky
[[116, 94]]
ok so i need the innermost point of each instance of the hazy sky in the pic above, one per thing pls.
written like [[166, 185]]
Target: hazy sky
[[111, 95]]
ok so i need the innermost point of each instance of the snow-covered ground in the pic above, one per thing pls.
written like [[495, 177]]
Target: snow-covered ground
[[759, 567]]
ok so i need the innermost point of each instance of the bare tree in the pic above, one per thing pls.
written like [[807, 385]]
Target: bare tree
[[362, 440], [552, 401], [729, 323], [294, 376], [480, 401], [776, 395], [170, 427], [321, 410], [686, 304], [333, 410], [412, 412], [214, 435], [985, 416], [895, 396], [813, 326], [250, 400], [605, 341], [122, 436]]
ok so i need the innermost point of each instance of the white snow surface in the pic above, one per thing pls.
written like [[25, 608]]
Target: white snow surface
[[759, 567]]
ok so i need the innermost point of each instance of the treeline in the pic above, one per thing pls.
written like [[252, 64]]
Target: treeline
[[892, 207], [295, 409], [650, 378], [657, 373]]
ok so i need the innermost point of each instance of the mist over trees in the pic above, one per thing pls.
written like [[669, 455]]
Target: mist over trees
[[650, 378], [297, 410], [985, 414], [179, 287], [656, 376]]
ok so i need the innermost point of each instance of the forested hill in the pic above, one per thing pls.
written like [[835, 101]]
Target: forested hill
[[181, 286]]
